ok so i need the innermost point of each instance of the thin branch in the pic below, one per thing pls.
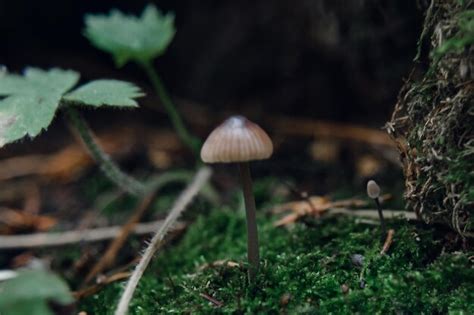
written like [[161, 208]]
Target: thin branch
[[110, 169], [180, 205], [53, 239], [372, 213]]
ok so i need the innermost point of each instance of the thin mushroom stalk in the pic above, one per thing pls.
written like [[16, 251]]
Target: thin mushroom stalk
[[373, 191], [238, 140], [250, 209]]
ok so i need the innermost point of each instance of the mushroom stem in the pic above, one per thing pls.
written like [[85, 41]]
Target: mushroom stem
[[382, 220], [252, 233]]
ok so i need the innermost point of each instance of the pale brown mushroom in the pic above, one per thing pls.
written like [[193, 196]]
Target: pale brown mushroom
[[373, 191], [238, 140]]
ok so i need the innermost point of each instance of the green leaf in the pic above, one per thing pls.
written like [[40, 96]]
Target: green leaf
[[31, 101], [30, 292], [105, 92], [129, 37]]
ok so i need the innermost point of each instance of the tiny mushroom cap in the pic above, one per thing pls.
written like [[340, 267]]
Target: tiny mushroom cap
[[373, 190], [236, 140]]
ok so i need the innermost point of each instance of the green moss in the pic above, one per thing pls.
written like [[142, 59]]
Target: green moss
[[308, 264], [432, 121]]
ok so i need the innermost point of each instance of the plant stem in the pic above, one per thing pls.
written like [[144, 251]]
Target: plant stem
[[192, 142], [382, 220], [110, 169], [252, 233]]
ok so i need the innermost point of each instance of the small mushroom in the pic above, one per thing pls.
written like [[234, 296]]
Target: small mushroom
[[373, 191], [238, 140]]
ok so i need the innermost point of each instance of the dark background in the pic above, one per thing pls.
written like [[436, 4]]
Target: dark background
[[334, 60]]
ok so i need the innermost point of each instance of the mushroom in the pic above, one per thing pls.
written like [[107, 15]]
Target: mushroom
[[238, 140], [373, 191]]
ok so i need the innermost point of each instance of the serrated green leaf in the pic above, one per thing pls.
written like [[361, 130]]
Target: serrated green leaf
[[106, 92], [30, 291], [38, 81], [129, 37], [30, 101]]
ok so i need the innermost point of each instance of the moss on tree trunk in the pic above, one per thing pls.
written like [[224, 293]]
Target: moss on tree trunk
[[433, 121]]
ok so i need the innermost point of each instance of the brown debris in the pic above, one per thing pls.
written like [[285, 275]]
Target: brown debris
[[111, 253], [313, 206], [211, 299], [14, 221], [96, 287], [388, 242]]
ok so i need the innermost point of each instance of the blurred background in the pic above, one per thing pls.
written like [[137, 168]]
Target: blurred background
[[308, 71], [337, 60]]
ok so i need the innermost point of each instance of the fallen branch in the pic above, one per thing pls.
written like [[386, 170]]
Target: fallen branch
[[73, 237], [180, 205]]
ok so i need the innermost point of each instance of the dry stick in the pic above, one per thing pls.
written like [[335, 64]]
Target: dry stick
[[52, 239], [112, 250], [217, 303], [96, 287], [388, 242], [180, 205]]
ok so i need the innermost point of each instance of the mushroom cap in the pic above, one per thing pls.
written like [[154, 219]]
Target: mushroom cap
[[373, 190], [237, 139]]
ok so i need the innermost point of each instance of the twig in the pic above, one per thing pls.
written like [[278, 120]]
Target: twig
[[96, 287], [72, 237], [180, 205], [112, 250], [388, 242], [211, 299]]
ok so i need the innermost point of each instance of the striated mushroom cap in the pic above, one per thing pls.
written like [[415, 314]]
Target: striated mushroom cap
[[373, 190], [236, 140]]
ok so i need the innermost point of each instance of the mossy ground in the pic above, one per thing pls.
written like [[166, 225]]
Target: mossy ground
[[303, 270], [433, 119]]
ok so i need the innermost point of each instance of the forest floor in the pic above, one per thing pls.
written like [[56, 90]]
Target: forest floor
[[329, 264]]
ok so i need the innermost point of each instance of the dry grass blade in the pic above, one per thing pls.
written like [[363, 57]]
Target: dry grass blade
[[180, 205], [107, 259]]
